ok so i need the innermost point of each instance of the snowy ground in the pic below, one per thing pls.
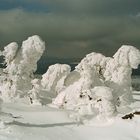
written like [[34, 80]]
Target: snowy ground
[[46, 123]]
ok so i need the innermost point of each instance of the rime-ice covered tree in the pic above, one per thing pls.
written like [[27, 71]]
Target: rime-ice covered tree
[[21, 63], [118, 72], [53, 79], [87, 78], [96, 61], [31, 50]]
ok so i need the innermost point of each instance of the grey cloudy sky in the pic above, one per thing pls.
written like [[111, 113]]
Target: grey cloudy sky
[[72, 28]]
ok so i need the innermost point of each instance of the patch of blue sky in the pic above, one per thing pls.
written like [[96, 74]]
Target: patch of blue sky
[[23, 4]]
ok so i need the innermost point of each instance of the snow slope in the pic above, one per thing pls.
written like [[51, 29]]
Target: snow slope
[[46, 123]]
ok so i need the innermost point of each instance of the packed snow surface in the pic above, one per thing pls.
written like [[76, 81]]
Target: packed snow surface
[[46, 123]]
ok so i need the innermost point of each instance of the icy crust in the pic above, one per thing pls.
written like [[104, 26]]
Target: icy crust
[[21, 63]]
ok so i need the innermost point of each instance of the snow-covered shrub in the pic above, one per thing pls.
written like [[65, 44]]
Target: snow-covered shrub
[[53, 79]]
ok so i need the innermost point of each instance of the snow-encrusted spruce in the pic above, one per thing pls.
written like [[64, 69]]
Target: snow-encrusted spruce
[[53, 79], [96, 61], [118, 72], [31, 50], [21, 64]]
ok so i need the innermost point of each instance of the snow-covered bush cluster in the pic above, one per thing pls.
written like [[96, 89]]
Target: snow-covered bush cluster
[[97, 86]]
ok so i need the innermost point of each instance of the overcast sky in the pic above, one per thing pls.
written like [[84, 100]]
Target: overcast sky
[[72, 28]]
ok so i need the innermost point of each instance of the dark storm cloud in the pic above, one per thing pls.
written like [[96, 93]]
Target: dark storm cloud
[[72, 28], [93, 7]]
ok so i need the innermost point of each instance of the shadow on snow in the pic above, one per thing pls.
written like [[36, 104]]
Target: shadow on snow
[[40, 125]]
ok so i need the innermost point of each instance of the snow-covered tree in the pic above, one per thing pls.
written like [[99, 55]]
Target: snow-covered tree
[[118, 72], [21, 63], [31, 51], [70, 96], [53, 79], [96, 61]]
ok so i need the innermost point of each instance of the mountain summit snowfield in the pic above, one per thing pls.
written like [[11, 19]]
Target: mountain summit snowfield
[[94, 101]]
